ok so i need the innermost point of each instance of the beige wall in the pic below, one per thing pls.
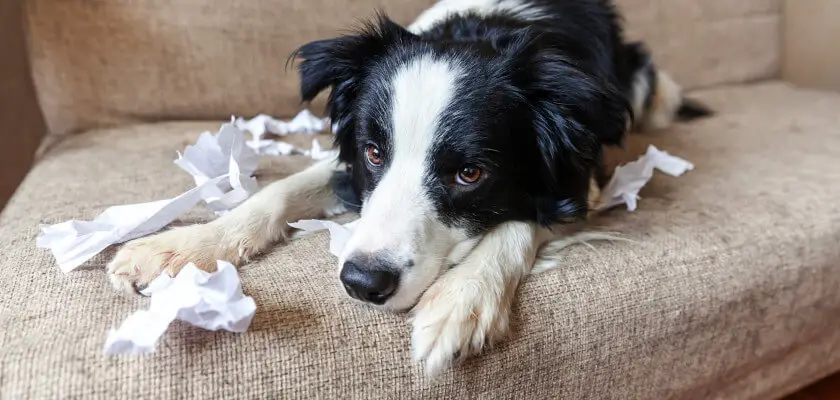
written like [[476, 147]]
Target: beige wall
[[812, 43]]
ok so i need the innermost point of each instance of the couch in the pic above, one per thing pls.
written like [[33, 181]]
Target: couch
[[729, 289]]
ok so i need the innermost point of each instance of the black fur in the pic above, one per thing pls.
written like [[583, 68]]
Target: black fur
[[342, 184], [691, 109], [537, 102]]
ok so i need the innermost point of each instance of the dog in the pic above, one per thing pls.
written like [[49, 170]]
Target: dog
[[463, 139]]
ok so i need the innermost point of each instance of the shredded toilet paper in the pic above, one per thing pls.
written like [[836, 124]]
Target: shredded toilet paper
[[221, 166], [303, 123], [211, 301], [317, 153], [630, 178], [262, 125], [222, 154], [72, 243], [339, 234]]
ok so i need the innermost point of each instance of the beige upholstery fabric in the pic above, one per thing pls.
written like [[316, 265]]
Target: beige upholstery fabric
[[108, 62], [100, 63], [20, 118], [709, 42], [730, 292]]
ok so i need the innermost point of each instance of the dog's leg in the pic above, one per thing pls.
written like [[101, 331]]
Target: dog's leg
[[245, 231], [469, 305]]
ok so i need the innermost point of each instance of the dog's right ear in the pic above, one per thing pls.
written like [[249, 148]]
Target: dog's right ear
[[340, 64], [573, 114]]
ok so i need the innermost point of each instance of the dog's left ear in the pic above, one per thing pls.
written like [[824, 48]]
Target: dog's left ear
[[340, 64], [573, 114]]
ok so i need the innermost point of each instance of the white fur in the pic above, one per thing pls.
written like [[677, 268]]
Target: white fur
[[666, 102], [447, 8], [398, 217], [641, 88], [469, 305], [664, 105]]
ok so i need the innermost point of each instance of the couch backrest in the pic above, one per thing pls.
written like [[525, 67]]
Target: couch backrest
[[20, 117], [106, 62]]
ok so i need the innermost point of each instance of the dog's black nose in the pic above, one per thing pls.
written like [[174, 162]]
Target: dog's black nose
[[370, 285]]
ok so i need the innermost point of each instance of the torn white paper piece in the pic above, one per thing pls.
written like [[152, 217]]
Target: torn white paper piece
[[630, 178], [303, 123], [261, 125], [257, 126], [317, 153], [74, 242], [223, 153], [339, 234], [212, 155], [272, 147], [212, 301]]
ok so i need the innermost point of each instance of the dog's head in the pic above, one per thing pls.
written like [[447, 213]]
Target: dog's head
[[444, 141]]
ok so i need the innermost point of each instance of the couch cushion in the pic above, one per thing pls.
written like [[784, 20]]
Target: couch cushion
[[735, 267], [99, 63]]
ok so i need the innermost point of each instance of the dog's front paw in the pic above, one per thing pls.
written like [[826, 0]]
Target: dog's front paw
[[455, 320], [140, 261]]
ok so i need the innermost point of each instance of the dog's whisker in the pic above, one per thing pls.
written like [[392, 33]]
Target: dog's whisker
[[549, 256]]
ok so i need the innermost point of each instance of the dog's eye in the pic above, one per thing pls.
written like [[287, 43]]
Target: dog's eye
[[373, 155], [468, 175]]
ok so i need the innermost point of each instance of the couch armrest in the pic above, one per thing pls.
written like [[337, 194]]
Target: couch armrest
[[21, 122], [811, 54]]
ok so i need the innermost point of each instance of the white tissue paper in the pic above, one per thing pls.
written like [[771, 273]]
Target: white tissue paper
[[317, 153], [74, 242], [339, 234], [222, 154], [221, 166], [267, 147], [630, 178], [212, 301], [303, 123]]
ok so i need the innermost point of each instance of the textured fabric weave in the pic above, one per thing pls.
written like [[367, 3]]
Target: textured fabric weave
[[730, 290], [100, 63]]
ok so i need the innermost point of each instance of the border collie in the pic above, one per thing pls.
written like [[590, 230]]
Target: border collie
[[463, 138]]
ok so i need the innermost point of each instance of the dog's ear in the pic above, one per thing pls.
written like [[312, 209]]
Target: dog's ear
[[573, 114], [340, 64]]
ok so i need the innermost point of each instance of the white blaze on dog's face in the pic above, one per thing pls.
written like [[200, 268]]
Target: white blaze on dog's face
[[444, 142], [400, 232]]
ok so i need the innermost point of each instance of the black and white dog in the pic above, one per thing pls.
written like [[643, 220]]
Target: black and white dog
[[463, 138]]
